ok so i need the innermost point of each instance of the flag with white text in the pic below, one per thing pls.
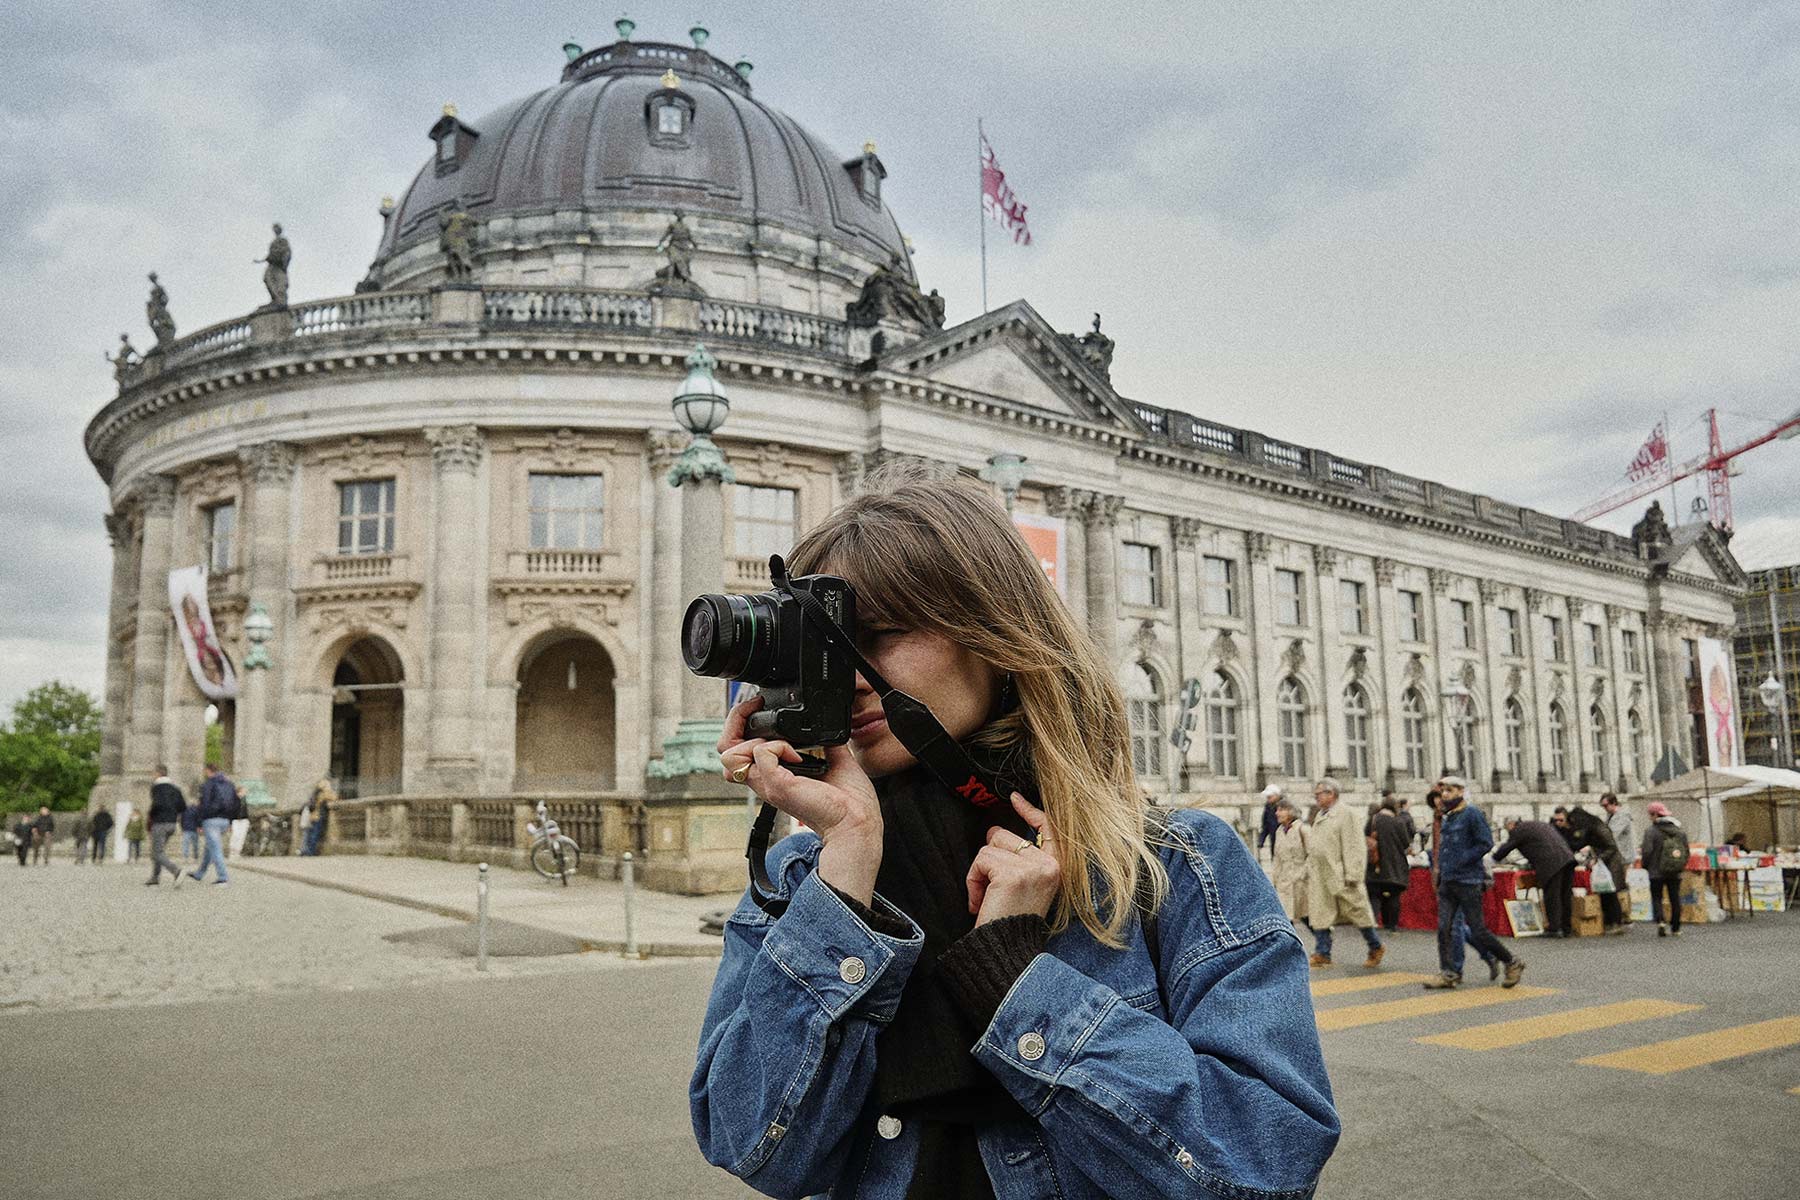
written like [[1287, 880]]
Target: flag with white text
[[998, 200]]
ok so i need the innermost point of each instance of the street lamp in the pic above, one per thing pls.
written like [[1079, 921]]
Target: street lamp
[[1455, 693], [700, 407], [1774, 698], [1005, 471]]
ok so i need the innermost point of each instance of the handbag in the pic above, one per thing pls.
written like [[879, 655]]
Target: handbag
[[1600, 880]]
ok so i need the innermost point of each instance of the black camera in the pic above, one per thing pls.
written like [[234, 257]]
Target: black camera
[[807, 684]]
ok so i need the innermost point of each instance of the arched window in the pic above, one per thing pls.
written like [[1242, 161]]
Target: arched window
[[1597, 727], [1222, 726], [1144, 700], [1559, 743], [1634, 727], [1356, 730], [1515, 738], [1412, 731], [1290, 708]]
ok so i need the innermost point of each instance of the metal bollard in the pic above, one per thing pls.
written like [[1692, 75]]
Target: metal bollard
[[481, 917], [626, 873]]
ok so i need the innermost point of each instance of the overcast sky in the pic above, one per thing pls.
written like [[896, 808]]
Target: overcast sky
[[1485, 243]]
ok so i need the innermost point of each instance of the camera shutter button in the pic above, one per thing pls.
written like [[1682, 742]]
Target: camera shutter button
[[852, 970]]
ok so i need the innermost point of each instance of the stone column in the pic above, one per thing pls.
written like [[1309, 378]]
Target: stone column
[[662, 657], [1667, 682], [1190, 654], [1262, 757], [458, 576], [1580, 758], [155, 497], [1385, 740], [118, 616], [1621, 696], [269, 472], [1491, 730], [1539, 708], [1330, 700], [1071, 504], [1437, 582], [1103, 573]]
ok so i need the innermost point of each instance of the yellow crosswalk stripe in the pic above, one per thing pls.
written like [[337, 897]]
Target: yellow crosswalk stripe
[[1351, 1016], [1500, 1034], [1365, 983], [1679, 1054]]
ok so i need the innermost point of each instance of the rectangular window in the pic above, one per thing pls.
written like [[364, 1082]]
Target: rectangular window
[[1290, 598], [1553, 639], [221, 531], [1412, 616], [566, 511], [1628, 650], [1595, 645], [1353, 611], [1509, 631], [1140, 575], [366, 517], [1218, 586], [762, 520], [1464, 623]]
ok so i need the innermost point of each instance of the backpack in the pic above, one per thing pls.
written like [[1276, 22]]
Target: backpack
[[1672, 859]]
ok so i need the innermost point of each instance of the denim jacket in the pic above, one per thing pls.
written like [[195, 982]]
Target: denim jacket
[[1462, 844], [1224, 1095]]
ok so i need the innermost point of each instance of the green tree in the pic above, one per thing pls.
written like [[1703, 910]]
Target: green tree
[[50, 750]]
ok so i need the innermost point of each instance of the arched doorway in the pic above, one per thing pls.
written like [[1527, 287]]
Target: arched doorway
[[565, 717], [368, 720]]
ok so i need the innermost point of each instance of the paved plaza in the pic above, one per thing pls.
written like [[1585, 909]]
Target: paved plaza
[[343, 1046]]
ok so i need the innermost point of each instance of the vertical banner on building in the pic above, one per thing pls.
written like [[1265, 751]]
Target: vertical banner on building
[[199, 640], [1045, 537], [1724, 747]]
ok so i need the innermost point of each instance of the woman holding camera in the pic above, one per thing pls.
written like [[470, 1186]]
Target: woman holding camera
[[961, 1001]]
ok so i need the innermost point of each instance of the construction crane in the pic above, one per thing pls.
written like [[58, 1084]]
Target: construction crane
[[1718, 464]]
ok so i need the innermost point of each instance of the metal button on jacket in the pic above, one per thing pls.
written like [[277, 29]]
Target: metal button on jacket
[[1185, 1159], [888, 1127], [1031, 1047], [851, 970]]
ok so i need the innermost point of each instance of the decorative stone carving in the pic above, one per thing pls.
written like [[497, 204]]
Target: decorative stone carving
[[1615, 613], [663, 448], [1577, 606], [118, 530], [891, 295], [1188, 531], [268, 462], [1597, 688], [1488, 590], [1414, 669], [566, 449], [1225, 647], [1636, 696], [1651, 533], [456, 238], [1294, 657], [125, 363], [1559, 684], [1325, 560], [850, 469], [776, 464], [676, 276], [154, 495], [1384, 572], [1515, 679], [1069, 503], [1094, 348], [1258, 546], [1467, 675], [1143, 642], [1358, 664], [1534, 599], [359, 455], [330, 618], [156, 310], [1103, 512], [1439, 580], [275, 273], [455, 447]]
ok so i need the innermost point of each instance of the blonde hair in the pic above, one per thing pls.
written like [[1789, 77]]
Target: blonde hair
[[937, 554]]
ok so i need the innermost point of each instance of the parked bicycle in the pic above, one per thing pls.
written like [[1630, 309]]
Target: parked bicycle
[[554, 854]]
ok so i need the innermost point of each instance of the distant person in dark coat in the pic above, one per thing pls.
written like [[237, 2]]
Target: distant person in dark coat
[[42, 830], [190, 831], [1463, 841], [78, 833], [1587, 833], [1271, 822], [1618, 820], [98, 832], [22, 838], [167, 807], [1389, 872], [1665, 851], [1554, 865]]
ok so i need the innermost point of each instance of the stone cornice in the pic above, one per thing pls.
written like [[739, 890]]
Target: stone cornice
[[340, 593]]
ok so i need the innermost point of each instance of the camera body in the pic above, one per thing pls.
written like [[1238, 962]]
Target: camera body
[[807, 685]]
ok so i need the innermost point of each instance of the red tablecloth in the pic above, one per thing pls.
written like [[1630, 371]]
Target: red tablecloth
[[1418, 904]]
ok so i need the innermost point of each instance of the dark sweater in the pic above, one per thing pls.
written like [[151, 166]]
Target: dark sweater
[[1542, 846], [166, 803]]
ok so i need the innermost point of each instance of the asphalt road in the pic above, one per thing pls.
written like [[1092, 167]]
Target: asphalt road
[[574, 1084]]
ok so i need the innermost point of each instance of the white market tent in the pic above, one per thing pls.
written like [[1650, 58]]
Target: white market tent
[[1716, 802]]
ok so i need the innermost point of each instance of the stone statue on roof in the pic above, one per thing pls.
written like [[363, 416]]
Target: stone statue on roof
[[676, 275], [890, 294], [156, 309], [125, 362], [1095, 348], [456, 238], [275, 274]]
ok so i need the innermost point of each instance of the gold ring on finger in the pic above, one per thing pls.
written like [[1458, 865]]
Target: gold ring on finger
[[741, 774], [1022, 847]]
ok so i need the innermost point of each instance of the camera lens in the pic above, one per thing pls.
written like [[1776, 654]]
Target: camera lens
[[729, 637]]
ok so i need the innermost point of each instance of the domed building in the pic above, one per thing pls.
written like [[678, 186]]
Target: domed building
[[448, 524]]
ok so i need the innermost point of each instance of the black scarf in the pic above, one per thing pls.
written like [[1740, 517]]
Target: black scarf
[[923, 1068]]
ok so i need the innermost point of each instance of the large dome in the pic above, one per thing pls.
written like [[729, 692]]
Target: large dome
[[600, 142]]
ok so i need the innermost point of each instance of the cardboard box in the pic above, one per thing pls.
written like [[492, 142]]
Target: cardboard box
[[1593, 926], [1587, 906]]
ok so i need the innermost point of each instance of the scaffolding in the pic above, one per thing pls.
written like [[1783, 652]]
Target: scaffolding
[[1756, 660]]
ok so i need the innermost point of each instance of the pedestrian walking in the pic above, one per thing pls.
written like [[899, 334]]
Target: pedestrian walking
[[167, 805], [1618, 820], [317, 817], [21, 838], [1403, 810], [1554, 865], [1665, 852], [1463, 841], [1292, 839], [190, 831], [1460, 935], [134, 835], [218, 804], [1587, 833], [98, 832], [1389, 871], [1270, 821], [42, 830], [78, 833], [1337, 861]]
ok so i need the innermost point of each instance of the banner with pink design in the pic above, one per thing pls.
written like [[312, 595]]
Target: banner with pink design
[[1724, 743]]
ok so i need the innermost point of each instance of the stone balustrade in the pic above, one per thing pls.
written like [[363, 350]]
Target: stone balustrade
[[485, 828]]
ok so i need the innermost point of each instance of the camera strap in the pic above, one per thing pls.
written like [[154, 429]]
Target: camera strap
[[912, 724]]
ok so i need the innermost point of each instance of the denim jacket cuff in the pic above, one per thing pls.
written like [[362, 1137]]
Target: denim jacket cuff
[[1040, 1028], [836, 957]]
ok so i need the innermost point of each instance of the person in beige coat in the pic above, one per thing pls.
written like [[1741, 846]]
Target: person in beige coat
[[1291, 841], [1336, 861]]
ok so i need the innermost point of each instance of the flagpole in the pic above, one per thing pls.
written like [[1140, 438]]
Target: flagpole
[[1669, 459], [981, 206]]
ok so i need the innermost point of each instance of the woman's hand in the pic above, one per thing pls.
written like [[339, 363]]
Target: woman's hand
[[840, 807], [1010, 877]]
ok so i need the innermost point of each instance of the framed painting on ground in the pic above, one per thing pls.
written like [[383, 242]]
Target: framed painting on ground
[[1527, 917]]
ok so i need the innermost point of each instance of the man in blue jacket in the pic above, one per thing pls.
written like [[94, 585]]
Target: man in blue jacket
[[1462, 845], [218, 805]]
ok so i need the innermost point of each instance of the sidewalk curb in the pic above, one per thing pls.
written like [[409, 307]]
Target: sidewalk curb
[[606, 945]]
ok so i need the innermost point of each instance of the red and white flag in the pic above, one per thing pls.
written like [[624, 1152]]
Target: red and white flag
[[998, 200], [1652, 456]]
